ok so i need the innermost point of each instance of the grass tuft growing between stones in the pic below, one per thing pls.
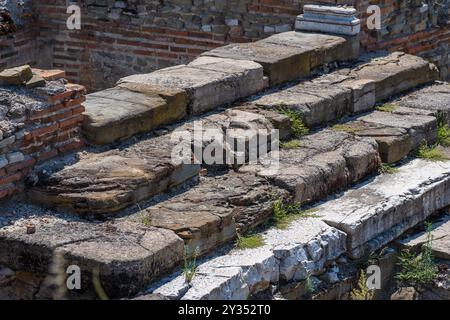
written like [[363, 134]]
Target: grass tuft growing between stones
[[430, 153], [190, 264], [345, 128], [291, 144], [420, 269], [298, 127], [249, 241], [443, 131], [284, 214], [387, 107], [386, 168], [146, 220], [362, 291]]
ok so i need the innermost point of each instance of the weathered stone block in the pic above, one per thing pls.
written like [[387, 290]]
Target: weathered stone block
[[17, 75], [206, 89], [119, 113]]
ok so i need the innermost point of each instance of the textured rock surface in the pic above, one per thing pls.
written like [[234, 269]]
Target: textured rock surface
[[127, 255], [329, 97], [323, 163], [119, 113], [375, 213], [435, 98], [112, 180], [396, 134], [290, 55], [208, 85], [440, 239], [290, 254], [208, 214]]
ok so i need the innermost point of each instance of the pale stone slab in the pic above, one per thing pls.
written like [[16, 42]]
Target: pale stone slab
[[377, 212], [289, 254]]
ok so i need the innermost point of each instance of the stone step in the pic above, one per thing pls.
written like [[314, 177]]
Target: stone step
[[373, 214], [121, 112], [112, 180], [213, 211], [350, 90], [210, 81], [290, 254], [291, 55], [320, 164], [440, 239], [357, 223], [396, 134], [126, 254]]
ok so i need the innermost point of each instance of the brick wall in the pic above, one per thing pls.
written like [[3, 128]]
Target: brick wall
[[18, 39], [36, 125], [119, 38]]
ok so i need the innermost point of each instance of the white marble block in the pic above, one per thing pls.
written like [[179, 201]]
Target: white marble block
[[328, 19]]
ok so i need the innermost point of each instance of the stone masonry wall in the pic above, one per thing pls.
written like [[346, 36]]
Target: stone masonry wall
[[35, 125], [19, 32], [120, 38]]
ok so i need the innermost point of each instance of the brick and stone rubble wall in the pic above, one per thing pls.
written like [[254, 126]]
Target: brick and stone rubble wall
[[37, 124], [19, 31], [120, 38]]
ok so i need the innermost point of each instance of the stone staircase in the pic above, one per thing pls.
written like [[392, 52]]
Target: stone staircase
[[123, 212]]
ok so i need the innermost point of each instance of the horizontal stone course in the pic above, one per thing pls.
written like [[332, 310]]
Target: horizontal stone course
[[126, 255], [291, 254], [350, 90], [376, 213]]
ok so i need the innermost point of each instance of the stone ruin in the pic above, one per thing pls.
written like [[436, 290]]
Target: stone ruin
[[348, 182]]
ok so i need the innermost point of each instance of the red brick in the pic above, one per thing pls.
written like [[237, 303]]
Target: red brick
[[11, 178], [21, 165], [71, 121], [41, 131], [45, 155], [77, 144]]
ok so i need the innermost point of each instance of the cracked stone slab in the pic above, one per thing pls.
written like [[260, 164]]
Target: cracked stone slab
[[325, 48], [420, 127], [440, 244], [210, 213], [377, 212], [119, 113], [317, 102], [289, 254], [127, 255], [208, 84], [229, 138], [389, 75], [434, 98], [396, 134], [323, 163], [112, 180]]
